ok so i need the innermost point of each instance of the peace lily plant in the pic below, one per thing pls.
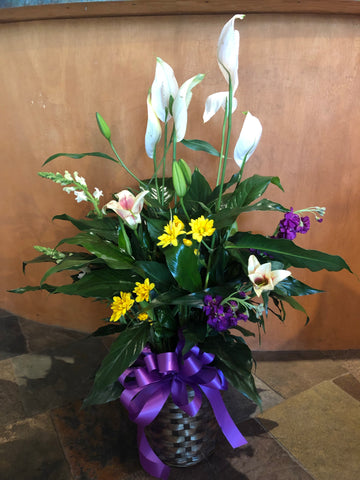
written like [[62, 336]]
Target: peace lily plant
[[166, 255]]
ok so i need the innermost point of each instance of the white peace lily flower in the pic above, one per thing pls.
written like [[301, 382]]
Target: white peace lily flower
[[228, 61], [79, 179], [153, 129], [248, 139], [97, 193], [262, 277], [228, 51], [214, 102], [181, 104], [164, 86], [80, 196]]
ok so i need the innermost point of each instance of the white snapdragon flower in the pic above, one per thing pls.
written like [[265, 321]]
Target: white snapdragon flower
[[79, 179], [97, 193], [80, 196]]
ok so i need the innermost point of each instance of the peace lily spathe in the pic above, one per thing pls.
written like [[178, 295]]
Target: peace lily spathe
[[248, 139], [262, 277], [181, 104], [128, 207], [165, 88], [228, 61], [153, 129]]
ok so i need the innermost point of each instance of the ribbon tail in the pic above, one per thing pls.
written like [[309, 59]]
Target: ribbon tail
[[150, 462], [226, 423]]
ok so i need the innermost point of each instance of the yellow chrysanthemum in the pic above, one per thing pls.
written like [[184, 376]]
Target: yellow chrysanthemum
[[121, 305], [172, 230], [187, 242], [142, 290], [143, 316], [201, 227]]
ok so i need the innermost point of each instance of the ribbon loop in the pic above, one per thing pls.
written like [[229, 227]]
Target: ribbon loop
[[153, 377]]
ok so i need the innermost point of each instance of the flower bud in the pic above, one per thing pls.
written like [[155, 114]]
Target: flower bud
[[181, 177], [104, 129]]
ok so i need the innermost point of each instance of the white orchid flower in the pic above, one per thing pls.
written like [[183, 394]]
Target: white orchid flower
[[228, 61], [181, 104], [248, 139], [153, 129], [128, 207], [262, 277], [164, 86]]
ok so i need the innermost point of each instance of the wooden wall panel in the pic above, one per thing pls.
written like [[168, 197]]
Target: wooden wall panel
[[299, 74]]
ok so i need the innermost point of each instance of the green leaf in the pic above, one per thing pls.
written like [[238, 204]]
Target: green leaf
[[103, 249], [183, 265], [80, 155], [71, 263], [289, 253], [106, 227], [244, 331], [123, 353], [34, 288], [39, 259], [158, 273], [201, 146], [296, 305], [199, 190], [104, 283], [252, 188], [109, 329], [290, 286], [227, 216], [234, 359], [103, 395]]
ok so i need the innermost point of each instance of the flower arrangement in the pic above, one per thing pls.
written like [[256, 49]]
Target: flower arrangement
[[167, 256]]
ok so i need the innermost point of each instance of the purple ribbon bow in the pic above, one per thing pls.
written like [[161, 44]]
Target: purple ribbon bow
[[149, 383]]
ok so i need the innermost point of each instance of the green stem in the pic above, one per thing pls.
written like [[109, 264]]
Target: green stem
[[222, 144], [227, 145], [183, 207], [124, 166]]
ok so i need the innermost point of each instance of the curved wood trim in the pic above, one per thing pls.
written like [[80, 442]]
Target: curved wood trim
[[176, 7]]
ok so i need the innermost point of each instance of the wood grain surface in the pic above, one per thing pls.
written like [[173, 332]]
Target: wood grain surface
[[300, 74]]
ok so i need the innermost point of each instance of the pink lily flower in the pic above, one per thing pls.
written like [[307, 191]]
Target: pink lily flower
[[128, 207]]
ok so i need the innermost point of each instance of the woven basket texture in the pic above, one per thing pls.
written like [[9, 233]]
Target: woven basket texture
[[180, 440]]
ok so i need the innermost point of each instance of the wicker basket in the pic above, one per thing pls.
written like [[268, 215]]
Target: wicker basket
[[180, 440]]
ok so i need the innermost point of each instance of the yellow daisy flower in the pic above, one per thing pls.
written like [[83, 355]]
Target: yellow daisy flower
[[121, 305], [142, 290], [201, 227], [172, 230], [143, 316], [187, 242]]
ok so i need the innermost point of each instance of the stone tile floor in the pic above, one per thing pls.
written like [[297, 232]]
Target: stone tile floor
[[309, 428]]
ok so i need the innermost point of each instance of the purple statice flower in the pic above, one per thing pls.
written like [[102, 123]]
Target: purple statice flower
[[292, 224], [221, 317]]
